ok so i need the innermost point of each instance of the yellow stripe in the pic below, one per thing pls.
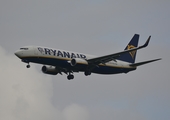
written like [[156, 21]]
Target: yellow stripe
[[69, 59]]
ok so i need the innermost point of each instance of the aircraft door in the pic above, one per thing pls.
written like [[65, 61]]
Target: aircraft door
[[35, 51]]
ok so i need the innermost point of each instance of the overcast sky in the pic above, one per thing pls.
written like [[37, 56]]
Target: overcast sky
[[96, 27]]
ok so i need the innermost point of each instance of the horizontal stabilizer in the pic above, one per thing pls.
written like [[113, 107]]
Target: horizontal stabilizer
[[145, 62]]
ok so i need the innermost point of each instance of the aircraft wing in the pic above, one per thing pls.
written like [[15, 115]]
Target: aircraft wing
[[107, 58]]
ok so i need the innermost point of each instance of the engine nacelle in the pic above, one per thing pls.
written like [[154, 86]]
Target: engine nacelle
[[50, 70], [76, 61]]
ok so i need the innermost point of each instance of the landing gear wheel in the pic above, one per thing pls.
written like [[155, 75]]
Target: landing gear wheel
[[69, 77], [86, 73], [28, 66]]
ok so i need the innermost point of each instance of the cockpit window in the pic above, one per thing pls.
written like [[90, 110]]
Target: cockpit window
[[23, 48]]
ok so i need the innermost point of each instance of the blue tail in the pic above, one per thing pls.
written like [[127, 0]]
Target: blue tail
[[131, 56]]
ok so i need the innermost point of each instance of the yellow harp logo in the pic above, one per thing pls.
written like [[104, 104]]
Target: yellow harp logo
[[132, 53]]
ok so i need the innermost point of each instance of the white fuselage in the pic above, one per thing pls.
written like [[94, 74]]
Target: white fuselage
[[45, 52], [62, 61]]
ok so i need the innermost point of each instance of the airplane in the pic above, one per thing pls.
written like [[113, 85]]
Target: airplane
[[57, 61]]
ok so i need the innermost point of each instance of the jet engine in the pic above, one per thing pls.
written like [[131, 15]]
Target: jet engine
[[76, 61], [50, 70]]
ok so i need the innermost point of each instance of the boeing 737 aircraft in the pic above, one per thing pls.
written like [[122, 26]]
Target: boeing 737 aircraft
[[56, 61]]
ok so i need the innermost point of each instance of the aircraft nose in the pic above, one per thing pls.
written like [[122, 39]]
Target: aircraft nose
[[18, 53]]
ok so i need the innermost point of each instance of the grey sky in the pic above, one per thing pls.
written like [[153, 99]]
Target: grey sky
[[96, 27]]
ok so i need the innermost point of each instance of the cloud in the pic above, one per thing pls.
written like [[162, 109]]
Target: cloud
[[76, 112], [125, 95], [26, 94]]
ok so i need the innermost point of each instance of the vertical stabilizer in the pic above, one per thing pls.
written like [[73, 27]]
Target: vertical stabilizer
[[131, 56]]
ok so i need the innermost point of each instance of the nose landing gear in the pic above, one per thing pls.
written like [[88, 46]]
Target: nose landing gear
[[28, 66], [26, 61]]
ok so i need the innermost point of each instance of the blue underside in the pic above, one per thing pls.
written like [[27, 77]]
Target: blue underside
[[78, 67]]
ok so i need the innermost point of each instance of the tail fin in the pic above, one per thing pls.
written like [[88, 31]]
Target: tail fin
[[131, 56]]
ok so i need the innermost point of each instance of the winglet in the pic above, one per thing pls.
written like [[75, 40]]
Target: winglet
[[146, 43]]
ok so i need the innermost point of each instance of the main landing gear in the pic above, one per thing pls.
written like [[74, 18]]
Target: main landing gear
[[87, 72], [70, 77]]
